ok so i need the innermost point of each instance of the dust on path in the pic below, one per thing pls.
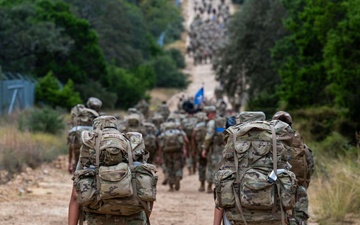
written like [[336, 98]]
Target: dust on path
[[41, 197]]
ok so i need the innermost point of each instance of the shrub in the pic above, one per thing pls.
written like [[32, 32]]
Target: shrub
[[177, 56], [44, 120], [50, 92], [167, 74]]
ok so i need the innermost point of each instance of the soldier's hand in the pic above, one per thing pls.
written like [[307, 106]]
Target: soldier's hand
[[203, 153]]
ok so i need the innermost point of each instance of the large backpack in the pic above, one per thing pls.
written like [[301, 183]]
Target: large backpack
[[81, 119], [246, 185], [199, 132], [188, 124], [171, 138], [114, 179], [302, 161]]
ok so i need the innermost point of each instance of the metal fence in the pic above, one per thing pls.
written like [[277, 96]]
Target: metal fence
[[17, 92]]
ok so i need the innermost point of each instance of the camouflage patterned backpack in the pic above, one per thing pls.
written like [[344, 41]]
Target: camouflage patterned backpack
[[302, 161], [188, 124], [253, 183], [115, 178], [81, 119], [171, 138]]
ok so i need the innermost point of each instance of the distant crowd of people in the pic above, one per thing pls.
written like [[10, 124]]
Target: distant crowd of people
[[208, 29]]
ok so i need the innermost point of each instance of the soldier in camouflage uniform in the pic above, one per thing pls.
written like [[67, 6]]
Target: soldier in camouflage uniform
[[143, 107], [172, 147], [302, 201], [213, 145], [197, 140], [81, 119], [74, 212], [164, 110]]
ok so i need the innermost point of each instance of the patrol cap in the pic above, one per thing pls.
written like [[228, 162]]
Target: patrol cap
[[209, 109], [248, 116], [102, 122], [283, 116]]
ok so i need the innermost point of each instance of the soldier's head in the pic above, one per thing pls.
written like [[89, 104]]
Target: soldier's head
[[210, 111], [94, 103], [283, 116]]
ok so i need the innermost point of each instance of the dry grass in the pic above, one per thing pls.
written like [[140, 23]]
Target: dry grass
[[22, 149], [335, 192]]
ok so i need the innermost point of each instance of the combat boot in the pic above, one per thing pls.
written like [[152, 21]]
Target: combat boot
[[209, 188], [177, 184], [194, 169], [171, 187], [202, 186]]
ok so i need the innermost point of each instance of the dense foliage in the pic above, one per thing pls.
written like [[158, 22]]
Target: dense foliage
[[87, 41], [296, 54]]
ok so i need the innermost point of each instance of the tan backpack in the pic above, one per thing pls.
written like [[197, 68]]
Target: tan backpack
[[302, 161], [115, 178], [253, 183]]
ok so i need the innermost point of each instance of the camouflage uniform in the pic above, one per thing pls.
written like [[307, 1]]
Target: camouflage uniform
[[163, 109], [303, 170], [82, 119], [197, 141], [213, 147], [143, 107], [173, 160], [109, 124]]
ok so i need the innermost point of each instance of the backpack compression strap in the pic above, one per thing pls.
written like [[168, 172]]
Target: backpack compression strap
[[273, 133]]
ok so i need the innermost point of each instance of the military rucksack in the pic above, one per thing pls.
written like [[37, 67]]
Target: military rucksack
[[115, 178], [199, 132], [188, 124], [301, 160], [81, 119], [171, 138], [253, 183], [150, 137]]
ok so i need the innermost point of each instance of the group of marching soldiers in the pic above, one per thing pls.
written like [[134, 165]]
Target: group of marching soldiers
[[187, 137], [207, 32], [190, 137]]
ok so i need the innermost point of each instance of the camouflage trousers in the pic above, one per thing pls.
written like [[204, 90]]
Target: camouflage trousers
[[174, 163], [213, 158], [101, 219], [301, 206], [202, 167]]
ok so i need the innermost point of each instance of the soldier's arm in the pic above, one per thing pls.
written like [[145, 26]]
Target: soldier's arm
[[210, 132]]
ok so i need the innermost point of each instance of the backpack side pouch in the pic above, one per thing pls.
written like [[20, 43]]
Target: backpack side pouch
[[115, 181], [288, 186], [85, 186], [146, 181], [224, 181]]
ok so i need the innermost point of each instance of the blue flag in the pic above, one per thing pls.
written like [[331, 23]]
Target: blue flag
[[199, 96]]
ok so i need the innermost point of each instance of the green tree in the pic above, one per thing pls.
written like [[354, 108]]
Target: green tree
[[49, 92], [22, 39], [244, 65], [85, 60], [341, 57]]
